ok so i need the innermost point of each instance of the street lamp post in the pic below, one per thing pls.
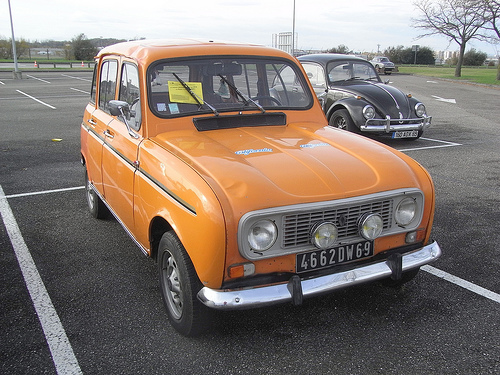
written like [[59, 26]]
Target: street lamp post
[[17, 72]]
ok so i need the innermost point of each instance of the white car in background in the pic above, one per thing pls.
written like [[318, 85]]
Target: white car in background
[[383, 65]]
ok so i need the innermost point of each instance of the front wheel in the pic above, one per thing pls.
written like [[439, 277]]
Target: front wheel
[[342, 119], [179, 287]]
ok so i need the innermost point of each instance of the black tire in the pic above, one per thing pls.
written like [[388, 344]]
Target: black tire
[[342, 119], [96, 206], [405, 277], [179, 287]]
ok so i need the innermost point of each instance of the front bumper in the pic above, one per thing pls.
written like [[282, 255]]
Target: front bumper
[[394, 125], [296, 288]]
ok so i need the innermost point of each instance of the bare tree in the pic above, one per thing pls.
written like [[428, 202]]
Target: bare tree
[[458, 20], [492, 9]]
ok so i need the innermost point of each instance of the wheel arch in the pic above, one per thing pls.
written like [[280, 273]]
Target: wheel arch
[[157, 228], [351, 105]]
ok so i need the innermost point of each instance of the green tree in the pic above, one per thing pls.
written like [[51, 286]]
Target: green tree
[[82, 48], [474, 58], [343, 49], [402, 55]]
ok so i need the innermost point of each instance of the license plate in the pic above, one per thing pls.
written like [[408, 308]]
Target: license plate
[[337, 255], [405, 134]]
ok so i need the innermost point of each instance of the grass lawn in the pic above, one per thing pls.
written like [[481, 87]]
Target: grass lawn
[[485, 75]]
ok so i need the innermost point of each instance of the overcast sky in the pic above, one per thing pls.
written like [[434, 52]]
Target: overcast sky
[[361, 25]]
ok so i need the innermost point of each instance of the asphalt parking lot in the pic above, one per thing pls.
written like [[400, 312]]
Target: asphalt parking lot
[[97, 297]]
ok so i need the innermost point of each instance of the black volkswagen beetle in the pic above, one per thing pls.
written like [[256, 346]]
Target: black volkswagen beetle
[[354, 98]]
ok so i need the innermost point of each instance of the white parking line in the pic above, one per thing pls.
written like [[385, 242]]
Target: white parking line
[[35, 99], [81, 79], [59, 345], [444, 144], [85, 92], [44, 192], [39, 79], [462, 283]]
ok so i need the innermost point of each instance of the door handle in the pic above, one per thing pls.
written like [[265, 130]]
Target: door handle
[[108, 134], [92, 122]]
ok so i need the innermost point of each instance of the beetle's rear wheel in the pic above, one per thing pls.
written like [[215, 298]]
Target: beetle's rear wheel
[[179, 286]]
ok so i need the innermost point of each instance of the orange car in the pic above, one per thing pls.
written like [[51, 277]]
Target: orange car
[[217, 160]]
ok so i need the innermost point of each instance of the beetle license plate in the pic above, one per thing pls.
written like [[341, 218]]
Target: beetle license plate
[[340, 254], [405, 134]]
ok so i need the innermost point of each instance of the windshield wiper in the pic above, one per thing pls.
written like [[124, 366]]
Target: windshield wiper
[[242, 96], [194, 96]]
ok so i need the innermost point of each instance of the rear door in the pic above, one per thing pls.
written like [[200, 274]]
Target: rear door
[[97, 118]]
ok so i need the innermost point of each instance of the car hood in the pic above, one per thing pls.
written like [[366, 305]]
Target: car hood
[[387, 99], [262, 167]]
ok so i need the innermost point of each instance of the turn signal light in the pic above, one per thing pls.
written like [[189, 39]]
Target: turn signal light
[[240, 270]]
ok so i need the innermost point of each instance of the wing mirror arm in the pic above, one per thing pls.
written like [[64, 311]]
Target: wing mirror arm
[[121, 108]]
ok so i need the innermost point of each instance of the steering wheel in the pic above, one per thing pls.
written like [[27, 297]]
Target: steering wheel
[[260, 97]]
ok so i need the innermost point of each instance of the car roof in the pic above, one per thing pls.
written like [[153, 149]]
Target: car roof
[[146, 51], [325, 58]]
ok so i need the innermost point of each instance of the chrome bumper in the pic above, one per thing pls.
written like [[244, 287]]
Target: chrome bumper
[[392, 125], [296, 288]]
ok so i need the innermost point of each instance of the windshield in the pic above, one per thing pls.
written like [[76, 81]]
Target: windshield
[[204, 85], [349, 70]]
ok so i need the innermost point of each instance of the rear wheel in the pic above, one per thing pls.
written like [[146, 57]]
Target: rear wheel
[[96, 206], [179, 286], [342, 119]]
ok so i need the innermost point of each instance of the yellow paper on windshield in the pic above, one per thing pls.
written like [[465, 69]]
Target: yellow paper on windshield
[[178, 94]]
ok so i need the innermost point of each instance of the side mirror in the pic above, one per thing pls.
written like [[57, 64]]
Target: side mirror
[[121, 108], [118, 107]]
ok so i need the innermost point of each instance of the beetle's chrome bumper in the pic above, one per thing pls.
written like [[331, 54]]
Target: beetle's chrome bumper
[[297, 288], [393, 125]]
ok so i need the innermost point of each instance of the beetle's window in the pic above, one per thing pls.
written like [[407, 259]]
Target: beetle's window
[[107, 85], [129, 92], [349, 70], [315, 74], [203, 85], [93, 88]]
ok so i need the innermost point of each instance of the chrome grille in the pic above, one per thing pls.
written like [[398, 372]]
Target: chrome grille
[[297, 227]]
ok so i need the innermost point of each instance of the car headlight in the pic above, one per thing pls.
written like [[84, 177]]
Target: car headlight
[[405, 212], [420, 110], [371, 226], [324, 235], [368, 112], [262, 235]]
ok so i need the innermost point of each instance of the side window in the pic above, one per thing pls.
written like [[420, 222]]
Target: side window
[[315, 74], [93, 89], [129, 92], [107, 85]]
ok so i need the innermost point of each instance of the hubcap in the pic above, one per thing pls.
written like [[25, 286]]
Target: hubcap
[[172, 286], [90, 196], [340, 122]]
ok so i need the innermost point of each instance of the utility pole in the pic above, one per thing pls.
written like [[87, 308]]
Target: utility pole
[[17, 72]]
